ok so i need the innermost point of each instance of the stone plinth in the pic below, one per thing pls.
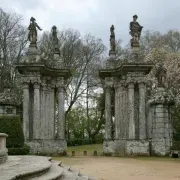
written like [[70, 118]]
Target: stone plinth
[[3, 149]]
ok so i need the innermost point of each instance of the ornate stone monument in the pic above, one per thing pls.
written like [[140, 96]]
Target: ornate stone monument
[[43, 87], [129, 83]]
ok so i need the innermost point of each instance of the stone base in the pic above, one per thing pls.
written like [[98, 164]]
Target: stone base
[[50, 147], [120, 147], [109, 147], [137, 147], [3, 156], [160, 147]]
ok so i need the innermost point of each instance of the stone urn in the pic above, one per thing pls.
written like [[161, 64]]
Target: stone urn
[[3, 149]]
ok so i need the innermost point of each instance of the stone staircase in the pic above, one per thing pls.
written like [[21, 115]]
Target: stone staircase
[[38, 168]]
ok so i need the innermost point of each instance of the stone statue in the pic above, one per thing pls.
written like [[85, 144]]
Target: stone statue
[[161, 75], [112, 39], [135, 32], [55, 39], [32, 36]]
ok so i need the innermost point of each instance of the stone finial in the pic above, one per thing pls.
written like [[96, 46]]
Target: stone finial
[[55, 40], [135, 32], [32, 36], [112, 41], [161, 75]]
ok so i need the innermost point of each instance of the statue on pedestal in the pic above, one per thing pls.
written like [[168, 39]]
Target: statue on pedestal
[[55, 39], [112, 39], [32, 36], [135, 32], [161, 75]]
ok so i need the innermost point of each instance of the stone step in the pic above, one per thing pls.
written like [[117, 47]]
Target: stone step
[[55, 172], [74, 171], [24, 167]]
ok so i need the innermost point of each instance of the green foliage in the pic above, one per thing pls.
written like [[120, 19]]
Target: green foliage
[[78, 142], [19, 151], [12, 126]]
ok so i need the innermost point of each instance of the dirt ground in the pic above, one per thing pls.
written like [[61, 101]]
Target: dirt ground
[[116, 168]]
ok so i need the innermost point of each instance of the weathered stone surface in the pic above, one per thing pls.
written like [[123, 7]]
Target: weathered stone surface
[[38, 167], [48, 146], [3, 149], [137, 147], [109, 147], [120, 146]]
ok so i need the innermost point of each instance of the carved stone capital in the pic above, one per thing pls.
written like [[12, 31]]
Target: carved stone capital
[[130, 85], [61, 89], [25, 85], [36, 85], [141, 85]]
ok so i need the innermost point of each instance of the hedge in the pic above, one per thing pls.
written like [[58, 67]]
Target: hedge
[[77, 142], [12, 126], [19, 151]]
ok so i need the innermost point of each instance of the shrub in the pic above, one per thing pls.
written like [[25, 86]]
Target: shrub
[[78, 142], [19, 151], [12, 126]]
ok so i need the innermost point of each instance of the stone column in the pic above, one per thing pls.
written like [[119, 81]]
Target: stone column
[[26, 111], [142, 116], [36, 111], [61, 117], [131, 110], [108, 123]]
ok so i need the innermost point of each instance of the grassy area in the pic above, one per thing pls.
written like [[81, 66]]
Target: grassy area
[[79, 150]]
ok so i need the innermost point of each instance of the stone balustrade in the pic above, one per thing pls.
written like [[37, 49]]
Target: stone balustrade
[[3, 149]]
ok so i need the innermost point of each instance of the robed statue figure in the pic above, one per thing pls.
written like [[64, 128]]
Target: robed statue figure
[[55, 39], [32, 36], [112, 39], [135, 31]]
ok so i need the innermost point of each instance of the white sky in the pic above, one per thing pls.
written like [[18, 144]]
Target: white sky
[[96, 16]]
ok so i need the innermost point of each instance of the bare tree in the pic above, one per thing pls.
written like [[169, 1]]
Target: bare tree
[[12, 43]]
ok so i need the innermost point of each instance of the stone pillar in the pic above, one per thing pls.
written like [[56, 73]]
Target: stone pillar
[[131, 110], [36, 112], [3, 149], [108, 123], [61, 117], [26, 111], [142, 115]]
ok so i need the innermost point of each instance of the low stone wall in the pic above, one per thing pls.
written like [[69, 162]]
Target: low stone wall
[[48, 146], [3, 149]]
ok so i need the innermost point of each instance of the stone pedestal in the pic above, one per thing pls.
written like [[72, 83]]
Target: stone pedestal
[[3, 149]]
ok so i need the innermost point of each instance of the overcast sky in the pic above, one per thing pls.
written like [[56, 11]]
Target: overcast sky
[[96, 16]]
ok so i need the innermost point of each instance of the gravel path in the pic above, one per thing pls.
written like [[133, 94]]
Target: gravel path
[[114, 168]]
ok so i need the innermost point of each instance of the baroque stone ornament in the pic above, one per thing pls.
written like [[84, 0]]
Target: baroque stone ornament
[[135, 32], [112, 39], [32, 36], [55, 39], [161, 75]]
